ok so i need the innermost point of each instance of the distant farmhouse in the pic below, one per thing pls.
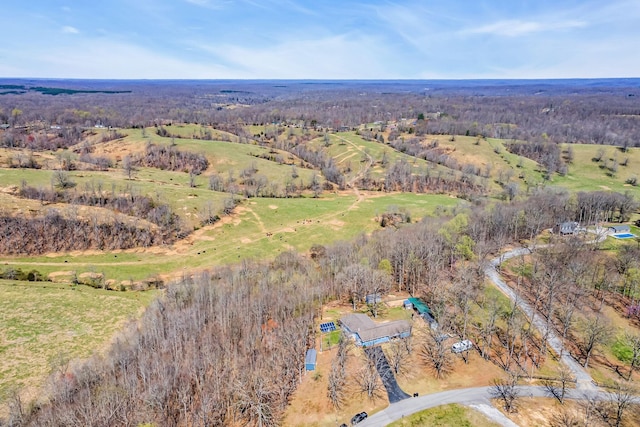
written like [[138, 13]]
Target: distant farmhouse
[[367, 333], [564, 228]]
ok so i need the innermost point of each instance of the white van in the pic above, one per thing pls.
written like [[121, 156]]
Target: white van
[[461, 346]]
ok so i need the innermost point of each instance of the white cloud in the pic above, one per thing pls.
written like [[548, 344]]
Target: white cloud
[[344, 56], [69, 30], [105, 59], [516, 27]]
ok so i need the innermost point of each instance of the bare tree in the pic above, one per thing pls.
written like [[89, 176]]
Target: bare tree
[[595, 332], [633, 341], [62, 180], [338, 374], [398, 355], [558, 387], [436, 353], [488, 325], [506, 391], [368, 380], [336, 385], [129, 167], [621, 398]]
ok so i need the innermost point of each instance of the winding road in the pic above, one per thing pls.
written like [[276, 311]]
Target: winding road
[[479, 397], [584, 380]]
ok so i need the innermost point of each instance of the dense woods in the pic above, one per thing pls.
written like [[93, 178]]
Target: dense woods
[[120, 228], [221, 348], [169, 158], [55, 233]]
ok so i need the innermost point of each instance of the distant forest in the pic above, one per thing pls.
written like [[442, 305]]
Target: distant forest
[[602, 111]]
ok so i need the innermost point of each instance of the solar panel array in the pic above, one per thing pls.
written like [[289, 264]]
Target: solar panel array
[[327, 327]]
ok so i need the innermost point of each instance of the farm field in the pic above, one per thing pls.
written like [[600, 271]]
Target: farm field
[[45, 326], [260, 229]]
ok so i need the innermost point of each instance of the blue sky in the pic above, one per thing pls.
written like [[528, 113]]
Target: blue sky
[[321, 39]]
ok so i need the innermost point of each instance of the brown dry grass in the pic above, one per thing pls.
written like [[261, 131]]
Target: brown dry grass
[[534, 412]]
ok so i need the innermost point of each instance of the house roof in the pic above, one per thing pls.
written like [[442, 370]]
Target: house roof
[[368, 330]]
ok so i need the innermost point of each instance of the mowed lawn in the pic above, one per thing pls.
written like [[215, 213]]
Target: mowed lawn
[[453, 415], [42, 323]]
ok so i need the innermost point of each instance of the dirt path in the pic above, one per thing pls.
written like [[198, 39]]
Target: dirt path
[[258, 219], [363, 169]]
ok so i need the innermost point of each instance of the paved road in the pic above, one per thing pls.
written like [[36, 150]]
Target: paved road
[[377, 356], [477, 398], [584, 380]]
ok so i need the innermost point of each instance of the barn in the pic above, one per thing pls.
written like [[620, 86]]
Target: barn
[[367, 333]]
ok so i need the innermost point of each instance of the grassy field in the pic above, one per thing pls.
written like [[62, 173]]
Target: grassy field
[[260, 229], [42, 324], [586, 174], [452, 415], [350, 150]]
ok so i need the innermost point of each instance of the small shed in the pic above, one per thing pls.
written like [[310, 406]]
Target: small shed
[[423, 310], [621, 228], [310, 360], [373, 299], [407, 305]]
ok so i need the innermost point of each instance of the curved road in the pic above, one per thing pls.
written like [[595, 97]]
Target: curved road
[[584, 380], [478, 397]]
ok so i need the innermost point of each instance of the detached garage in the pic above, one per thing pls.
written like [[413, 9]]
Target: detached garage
[[310, 360]]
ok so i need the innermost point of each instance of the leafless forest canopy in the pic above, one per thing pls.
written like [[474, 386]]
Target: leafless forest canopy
[[226, 347], [602, 111]]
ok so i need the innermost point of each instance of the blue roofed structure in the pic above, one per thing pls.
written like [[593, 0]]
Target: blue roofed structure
[[310, 359]]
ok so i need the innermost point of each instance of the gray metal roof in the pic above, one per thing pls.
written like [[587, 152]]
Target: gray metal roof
[[368, 330]]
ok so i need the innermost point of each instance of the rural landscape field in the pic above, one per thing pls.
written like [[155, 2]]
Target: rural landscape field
[[195, 253]]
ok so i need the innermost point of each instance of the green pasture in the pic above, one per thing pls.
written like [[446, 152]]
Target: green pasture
[[230, 159], [171, 188], [347, 148], [261, 229], [587, 175], [188, 131], [43, 324]]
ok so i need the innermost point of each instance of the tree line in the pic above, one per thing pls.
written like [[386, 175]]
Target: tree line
[[128, 202], [55, 233]]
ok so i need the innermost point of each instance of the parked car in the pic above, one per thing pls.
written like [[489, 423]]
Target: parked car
[[461, 346], [358, 417]]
